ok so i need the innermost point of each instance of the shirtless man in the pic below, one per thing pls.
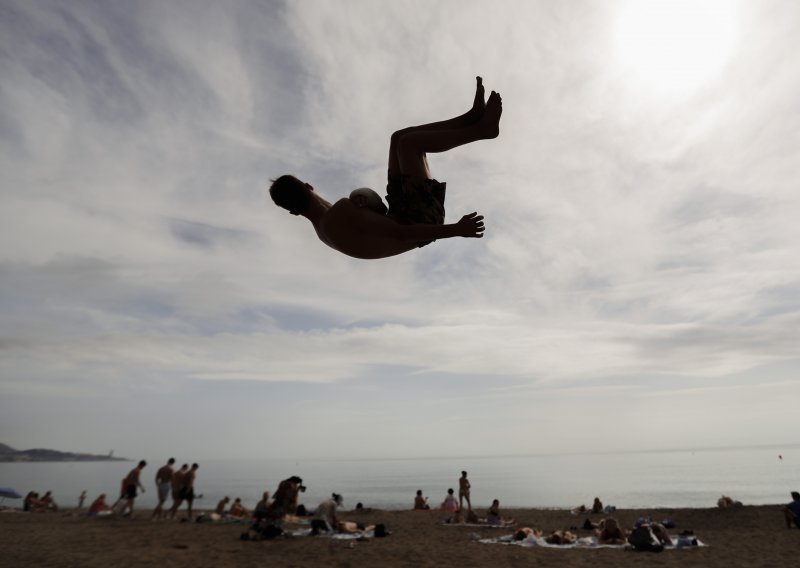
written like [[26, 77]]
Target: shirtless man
[[186, 492], [132, 482], [163, 484], [463, 491], [356, 225]]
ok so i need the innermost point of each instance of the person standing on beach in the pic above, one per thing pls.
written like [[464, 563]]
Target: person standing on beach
[[286, 497], [132, 482], [186, 492], [163, 484], [463, 491], [81, 499]]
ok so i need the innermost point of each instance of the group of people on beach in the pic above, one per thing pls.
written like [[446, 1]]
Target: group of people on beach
[[35, 504], [456, 507], [169, 481]]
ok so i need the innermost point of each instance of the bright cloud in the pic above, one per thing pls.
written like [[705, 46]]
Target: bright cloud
[[637, 246]]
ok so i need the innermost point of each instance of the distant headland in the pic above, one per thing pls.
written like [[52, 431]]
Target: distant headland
[[9, 454]]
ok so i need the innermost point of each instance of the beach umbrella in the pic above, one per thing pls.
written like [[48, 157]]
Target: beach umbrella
[[7, 492]]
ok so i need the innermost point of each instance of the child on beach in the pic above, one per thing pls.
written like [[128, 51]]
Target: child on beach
[[362, 227]]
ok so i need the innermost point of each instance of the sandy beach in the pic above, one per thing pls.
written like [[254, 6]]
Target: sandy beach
[[746, 536]]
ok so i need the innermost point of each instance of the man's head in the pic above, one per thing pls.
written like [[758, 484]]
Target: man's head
[[171, 461], [795, 495], [142, 464], [292, 194]]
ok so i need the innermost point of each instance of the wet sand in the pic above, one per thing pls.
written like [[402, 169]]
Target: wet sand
[[745, 536]]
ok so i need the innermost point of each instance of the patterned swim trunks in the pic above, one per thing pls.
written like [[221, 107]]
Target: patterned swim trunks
[[416, 203]]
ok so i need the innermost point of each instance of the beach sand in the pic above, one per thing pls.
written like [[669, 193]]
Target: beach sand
[[745, 536]]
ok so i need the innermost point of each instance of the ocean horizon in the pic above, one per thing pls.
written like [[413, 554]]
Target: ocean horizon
[[691, 478]]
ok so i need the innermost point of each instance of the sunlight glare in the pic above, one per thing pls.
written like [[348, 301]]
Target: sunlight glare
[[675, 46]]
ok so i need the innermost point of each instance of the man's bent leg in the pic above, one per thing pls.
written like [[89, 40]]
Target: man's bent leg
[[414, 145], [470, 117]]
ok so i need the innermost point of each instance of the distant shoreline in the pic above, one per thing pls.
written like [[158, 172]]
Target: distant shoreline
[[29, 459], [10, 455]]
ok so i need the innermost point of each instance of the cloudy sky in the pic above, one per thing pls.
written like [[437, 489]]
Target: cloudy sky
[[638, 285]]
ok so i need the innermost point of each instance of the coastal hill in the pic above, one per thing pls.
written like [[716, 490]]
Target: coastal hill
[[9, 454]]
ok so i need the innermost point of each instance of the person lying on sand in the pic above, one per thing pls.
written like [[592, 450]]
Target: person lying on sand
[[555, 537], [356, 225]]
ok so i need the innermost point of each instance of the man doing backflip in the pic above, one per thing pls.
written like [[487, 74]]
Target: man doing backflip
[[359, 225]]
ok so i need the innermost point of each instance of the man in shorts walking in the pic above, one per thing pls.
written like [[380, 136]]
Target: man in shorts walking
[[186, 492], [131, 484], [358, 225], [163, 484]]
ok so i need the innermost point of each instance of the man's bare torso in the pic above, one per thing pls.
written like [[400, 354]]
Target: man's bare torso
[[359, 232]]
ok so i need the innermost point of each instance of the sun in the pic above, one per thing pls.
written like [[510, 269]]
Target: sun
[[674, 47]]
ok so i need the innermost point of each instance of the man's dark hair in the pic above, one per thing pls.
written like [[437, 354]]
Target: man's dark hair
[[171, 461], [142, 463], [290, 193], [795, 495]]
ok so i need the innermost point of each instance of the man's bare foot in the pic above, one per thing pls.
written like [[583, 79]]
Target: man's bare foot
[[490, 123], [479, 104]]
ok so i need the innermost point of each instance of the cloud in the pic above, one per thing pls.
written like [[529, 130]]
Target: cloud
[[633, 242]]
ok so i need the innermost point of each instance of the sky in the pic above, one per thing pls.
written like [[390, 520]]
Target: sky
[[638, 285]]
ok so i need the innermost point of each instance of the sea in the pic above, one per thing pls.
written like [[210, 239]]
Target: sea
[[692, 478]]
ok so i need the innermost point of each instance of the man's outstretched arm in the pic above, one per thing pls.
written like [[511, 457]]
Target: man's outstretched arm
[[469, 226]]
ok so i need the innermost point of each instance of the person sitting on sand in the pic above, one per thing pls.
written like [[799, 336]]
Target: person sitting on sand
[[260, 511], [420, 502], [99, 507], [611, 533], [32, 504], [457, 518], [48, 502], [493, 516], [660, 532], [325, 516], [238, 510], [791, 512], [220, 510], [725, 502], [416, 213], [450, 503], [597, 506]]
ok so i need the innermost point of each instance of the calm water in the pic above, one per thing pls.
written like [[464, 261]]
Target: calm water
[[692, 478]]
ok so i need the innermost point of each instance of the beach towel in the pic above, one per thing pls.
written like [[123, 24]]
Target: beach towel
[[478, 525], [360, 535], [586, 542]]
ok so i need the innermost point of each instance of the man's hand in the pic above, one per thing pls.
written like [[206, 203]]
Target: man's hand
[[470, 225]]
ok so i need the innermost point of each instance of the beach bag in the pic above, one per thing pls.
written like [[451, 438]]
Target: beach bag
[[642, 539]]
